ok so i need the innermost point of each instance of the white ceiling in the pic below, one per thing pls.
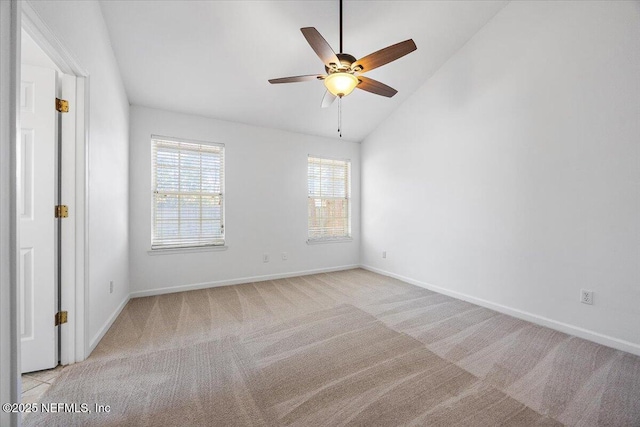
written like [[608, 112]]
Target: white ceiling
[[213, 58]]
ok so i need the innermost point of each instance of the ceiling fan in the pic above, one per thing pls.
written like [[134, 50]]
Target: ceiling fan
[[343, 71]]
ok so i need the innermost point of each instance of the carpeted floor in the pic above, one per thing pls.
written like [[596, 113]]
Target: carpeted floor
[[344, 348]]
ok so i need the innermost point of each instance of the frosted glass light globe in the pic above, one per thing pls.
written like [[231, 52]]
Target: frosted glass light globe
[[341, 84]]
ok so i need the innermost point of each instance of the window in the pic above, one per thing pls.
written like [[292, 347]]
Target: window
[[329, 199], [188, 193]]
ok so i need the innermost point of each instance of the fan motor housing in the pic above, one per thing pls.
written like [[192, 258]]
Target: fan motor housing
[[345, 63]]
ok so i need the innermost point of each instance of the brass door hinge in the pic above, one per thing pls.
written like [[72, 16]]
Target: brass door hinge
[[62, 211], [61, 317], [62, 105]]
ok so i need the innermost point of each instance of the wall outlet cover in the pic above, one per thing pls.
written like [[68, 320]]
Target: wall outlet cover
[[586, 296]]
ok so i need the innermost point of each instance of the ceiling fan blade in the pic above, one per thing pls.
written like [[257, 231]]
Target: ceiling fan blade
[[328, 99], [376, 87], [320, 46], [384, 56], [295, 79]]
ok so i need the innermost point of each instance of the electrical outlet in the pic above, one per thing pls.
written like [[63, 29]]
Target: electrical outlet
[[284, 256], [111, 287], [586, 297], [265, 258], [384, 254]]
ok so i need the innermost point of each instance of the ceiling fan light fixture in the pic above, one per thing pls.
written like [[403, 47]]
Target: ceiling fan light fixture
[[341, 84]]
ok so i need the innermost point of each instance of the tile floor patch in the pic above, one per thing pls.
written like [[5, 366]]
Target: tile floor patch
[[34, 384], [34, 395], [29, 383]]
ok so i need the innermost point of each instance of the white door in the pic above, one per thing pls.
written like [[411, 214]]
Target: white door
[[37, 177]]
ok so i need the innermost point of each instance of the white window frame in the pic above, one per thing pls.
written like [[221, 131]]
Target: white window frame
[[329, 239], [213, 244]]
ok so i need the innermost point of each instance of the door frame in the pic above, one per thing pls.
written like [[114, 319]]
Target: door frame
[[10, 387], [75, 268]]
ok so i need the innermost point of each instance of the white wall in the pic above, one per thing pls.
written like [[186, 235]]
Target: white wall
[[265, 204], [81, 28], [513, 175]]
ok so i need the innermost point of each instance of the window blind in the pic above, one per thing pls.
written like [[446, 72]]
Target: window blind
[[329, 199], [188, 193]]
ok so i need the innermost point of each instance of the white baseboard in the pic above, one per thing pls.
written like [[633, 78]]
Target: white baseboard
[[204, 285], [96, 339], [530, 317]]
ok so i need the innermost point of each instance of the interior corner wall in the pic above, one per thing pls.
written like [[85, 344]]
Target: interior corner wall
[[265, 205], [81, 28], [512, 177]]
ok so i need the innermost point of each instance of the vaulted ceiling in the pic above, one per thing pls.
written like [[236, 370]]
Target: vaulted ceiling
[[213, 58]]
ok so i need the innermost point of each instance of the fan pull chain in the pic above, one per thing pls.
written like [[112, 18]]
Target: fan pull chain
[[340, 116]]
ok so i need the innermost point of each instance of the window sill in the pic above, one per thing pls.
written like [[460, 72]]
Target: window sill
[[172, 251], [324, 241]]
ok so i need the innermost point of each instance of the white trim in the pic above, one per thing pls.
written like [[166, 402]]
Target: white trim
[[339, 159], [68, 144], [44, 37], [82, 219], [187, 249], [228, 282], [520, 314], [82, 288], [105, 327], [188, 141], [327, 240], [10, 32]]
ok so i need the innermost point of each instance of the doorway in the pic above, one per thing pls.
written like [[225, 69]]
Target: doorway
[[51, 168]]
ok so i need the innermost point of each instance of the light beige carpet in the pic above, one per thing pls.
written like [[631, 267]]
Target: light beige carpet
[[346, 348]]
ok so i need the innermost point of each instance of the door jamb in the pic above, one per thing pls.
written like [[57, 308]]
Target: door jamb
[[10, 386], [74, 293]]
